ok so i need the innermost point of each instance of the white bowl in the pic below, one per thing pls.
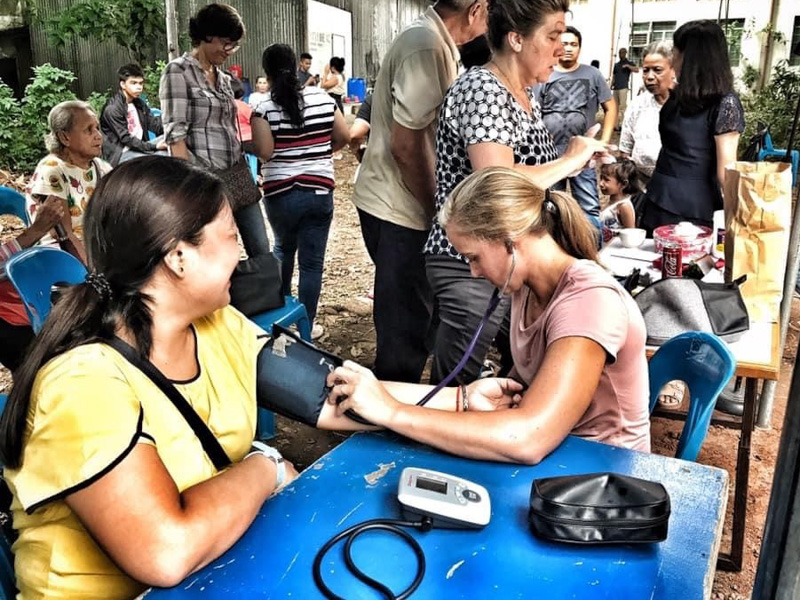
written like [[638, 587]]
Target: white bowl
[[631, 237]]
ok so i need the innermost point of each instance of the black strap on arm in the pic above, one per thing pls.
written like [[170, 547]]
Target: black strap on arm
[[209, 442]]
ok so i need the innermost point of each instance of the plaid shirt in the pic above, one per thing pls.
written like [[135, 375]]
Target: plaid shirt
[[201, 115]]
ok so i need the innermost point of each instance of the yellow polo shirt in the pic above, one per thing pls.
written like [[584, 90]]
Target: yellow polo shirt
[[89, 408]]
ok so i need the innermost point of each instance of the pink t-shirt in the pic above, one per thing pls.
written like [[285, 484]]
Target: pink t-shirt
[[589, 303]]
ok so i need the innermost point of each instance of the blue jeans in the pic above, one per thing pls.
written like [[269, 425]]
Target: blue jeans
[[253, 230], [301, 220], [584, 190]]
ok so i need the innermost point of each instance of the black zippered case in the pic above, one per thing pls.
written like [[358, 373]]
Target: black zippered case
[[599, 508]]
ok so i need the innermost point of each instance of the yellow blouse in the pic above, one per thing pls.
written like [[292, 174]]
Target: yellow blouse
[[89, 408]]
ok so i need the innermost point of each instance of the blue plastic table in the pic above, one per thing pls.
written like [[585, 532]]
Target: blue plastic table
[[504, 560]]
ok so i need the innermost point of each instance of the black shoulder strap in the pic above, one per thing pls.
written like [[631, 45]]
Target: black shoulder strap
[[210, 443]]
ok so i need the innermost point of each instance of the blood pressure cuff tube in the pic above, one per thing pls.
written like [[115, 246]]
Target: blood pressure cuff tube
[[291, 377]]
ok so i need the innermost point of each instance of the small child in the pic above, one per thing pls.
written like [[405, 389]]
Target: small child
[[260, 95], [618, 181]]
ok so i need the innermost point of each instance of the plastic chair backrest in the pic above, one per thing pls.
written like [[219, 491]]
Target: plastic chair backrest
[[705, 364], [34, 271], [13, 203], [768, 141]]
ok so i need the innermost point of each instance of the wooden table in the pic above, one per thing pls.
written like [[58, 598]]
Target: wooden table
[[758, 358], [358, 481]]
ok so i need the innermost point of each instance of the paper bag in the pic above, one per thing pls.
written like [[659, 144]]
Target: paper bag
[[758, 217]]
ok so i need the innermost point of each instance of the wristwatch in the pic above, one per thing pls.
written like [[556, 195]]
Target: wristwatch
[[272, 454]]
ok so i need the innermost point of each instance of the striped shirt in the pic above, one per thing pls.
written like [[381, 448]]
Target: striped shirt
[[202, 115], [302, 155]]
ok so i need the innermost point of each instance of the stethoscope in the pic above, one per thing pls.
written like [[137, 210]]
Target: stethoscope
[[497, 294]]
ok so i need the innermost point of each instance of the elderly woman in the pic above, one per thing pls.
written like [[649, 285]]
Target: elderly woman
[[199, 112], [700, 125], [577, 337], [640, 140], [490, 117], [71, 170]]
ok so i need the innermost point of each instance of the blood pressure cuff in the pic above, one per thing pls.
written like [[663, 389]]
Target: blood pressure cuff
[[599, 508], [291, 377]]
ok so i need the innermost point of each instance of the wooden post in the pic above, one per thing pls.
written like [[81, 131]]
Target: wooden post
[[173, 48]]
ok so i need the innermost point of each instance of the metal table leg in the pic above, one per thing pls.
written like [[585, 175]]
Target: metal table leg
[[733, 561]]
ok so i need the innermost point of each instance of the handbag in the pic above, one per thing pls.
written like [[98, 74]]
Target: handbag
[[256, 285], [240, 188], [291, 377], [599, 508], [675, 305], [208, 440]]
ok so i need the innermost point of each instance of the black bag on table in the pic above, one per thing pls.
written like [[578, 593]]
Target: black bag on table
[[599, 508], [256, 285]]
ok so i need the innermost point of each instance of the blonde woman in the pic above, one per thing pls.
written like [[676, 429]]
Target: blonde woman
[[577, 338]]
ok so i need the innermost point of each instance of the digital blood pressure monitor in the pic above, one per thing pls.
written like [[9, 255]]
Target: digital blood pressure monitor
[[451, 502]]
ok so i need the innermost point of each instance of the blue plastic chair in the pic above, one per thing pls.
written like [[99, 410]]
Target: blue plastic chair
[[252, 162], [291, 313], [34, 271], [13, 203], [705, 364], [768, 152]]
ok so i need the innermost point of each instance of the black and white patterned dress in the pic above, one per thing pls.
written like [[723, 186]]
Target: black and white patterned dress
[[478, 108]]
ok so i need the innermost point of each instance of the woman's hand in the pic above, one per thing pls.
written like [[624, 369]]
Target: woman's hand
[[494, 394], [356, 388], [585, 149]]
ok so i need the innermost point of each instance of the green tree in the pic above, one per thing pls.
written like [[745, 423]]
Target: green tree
[[136, 25], [24, 124]]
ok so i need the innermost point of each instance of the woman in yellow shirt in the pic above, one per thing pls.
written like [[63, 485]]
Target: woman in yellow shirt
[[113, 491]]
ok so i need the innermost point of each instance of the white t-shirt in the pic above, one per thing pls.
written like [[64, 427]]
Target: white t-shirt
[[257, 98], [134, 124]]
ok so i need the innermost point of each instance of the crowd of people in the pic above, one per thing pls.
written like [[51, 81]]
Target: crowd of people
[[476, 178]]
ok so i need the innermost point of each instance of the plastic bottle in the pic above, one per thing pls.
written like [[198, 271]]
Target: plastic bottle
[[718, 235]]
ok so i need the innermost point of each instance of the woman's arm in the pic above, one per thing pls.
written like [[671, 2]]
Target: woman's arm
[[340, 136], [627, 216], [329, 79], [159, 536], [556, 399], [484, 395], [263, 142], [174, 95], [579, 152], [726, 145]]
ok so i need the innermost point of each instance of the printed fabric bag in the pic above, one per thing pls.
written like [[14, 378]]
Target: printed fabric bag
[[240, 187], [672, 306], [758, 218]]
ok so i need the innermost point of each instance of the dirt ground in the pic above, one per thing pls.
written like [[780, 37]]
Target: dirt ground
[[345, 312]]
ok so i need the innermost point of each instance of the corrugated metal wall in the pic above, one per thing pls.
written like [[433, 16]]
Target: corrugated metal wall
[[375, 24], [94, 64]]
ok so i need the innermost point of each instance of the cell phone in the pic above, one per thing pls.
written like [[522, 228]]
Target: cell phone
[[60, 231]]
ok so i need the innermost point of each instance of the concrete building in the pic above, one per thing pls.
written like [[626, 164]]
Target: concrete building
[[608, 25]]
